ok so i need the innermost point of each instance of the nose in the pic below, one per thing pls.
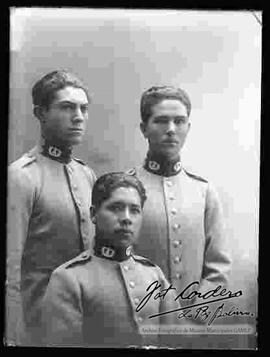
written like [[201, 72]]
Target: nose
[[126, 218], [78, 115], [171, 127]]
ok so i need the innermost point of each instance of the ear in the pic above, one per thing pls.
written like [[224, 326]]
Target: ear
[[189, 125], [143, 127], [93, 214], [39, 113]]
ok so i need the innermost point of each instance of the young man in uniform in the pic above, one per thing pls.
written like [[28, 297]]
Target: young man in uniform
[[49, 196], [182, 227], [98, 299]]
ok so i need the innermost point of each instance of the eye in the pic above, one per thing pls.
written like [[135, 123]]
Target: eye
[[179, 120], [161, 120], [115, 208], [84, 109], [67, 106], [136, 210]]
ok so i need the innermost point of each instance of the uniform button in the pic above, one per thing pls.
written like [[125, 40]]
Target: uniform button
[[136, 301], [176, 260], [169, 183], [79, 202], [70, 170], [84, 255], [176, 243], [84, 237], [131, 284], [75, 186], [172, 198], [178, 275], [174, 210], [140, 319], [176, 226], [125, 267], [83, 219]]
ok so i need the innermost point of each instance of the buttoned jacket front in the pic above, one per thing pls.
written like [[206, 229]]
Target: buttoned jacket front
[[91, 301], [48, 224], [182, 230]]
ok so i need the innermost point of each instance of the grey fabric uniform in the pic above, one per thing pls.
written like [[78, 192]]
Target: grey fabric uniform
[[91, 301], [48, 224], [182, 230]]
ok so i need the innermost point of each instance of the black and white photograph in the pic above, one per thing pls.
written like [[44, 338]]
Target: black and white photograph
[[133, 178]]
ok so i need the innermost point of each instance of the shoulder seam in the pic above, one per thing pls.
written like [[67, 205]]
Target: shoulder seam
[[196, 177], [144, 260]]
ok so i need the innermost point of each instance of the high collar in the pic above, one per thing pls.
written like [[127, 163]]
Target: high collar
[[106, 249], [162, 166], [55, 151]]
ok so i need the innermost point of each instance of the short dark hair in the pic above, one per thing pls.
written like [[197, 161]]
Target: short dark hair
[[156, 94], [44, 90], [106, 184]]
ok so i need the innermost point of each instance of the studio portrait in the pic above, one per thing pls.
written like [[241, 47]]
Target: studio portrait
[[133, 178]]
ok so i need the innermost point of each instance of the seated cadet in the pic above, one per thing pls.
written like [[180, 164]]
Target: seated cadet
[[92, 300]]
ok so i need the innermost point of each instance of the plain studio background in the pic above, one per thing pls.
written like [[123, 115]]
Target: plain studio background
[[215, 56]]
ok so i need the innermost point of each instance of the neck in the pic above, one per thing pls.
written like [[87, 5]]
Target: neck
[[56, 150], [162, 165], [163, 157], [106, 248]]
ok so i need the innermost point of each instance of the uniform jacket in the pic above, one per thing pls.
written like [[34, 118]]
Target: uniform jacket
[[48, 224], [91, 301], [182, 230]]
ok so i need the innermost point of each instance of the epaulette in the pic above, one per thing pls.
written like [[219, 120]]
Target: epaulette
[[144, 260], [131, 172], [25, 160], [79, 160], [195, 176], [83, 257]]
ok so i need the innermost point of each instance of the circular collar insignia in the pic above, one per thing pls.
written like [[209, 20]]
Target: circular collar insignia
[[107, 252], [54, 151], [153, 165], [177, 166], [128, 251]]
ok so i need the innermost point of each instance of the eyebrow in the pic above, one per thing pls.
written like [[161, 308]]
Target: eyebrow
[[71, 102], [123, 202], [171, 116]]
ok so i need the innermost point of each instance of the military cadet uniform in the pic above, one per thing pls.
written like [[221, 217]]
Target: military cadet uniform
[[182, 228], [92, 300], [49, 199]]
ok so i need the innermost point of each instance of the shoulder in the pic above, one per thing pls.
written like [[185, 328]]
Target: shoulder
[[87, 169], [80, 260], [144, 261], [194, 176], [25, 169], [24, 161]]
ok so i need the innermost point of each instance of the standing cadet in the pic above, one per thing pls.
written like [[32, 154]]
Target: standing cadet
[[182, 227], [93, 300], [48, 202]]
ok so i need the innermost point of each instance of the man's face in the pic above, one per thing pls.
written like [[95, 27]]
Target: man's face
[[119, 217], [65, 119], [167, 127]]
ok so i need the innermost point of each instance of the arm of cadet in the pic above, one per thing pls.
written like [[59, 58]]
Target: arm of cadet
[[20, 200], [62, 311], [217, 262]]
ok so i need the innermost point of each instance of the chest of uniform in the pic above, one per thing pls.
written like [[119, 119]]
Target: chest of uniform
[[177, 198], [62, 189], [115, 294]]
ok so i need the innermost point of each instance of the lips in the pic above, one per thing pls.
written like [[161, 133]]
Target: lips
[[170, 142], [76, 130], [124, 231]]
